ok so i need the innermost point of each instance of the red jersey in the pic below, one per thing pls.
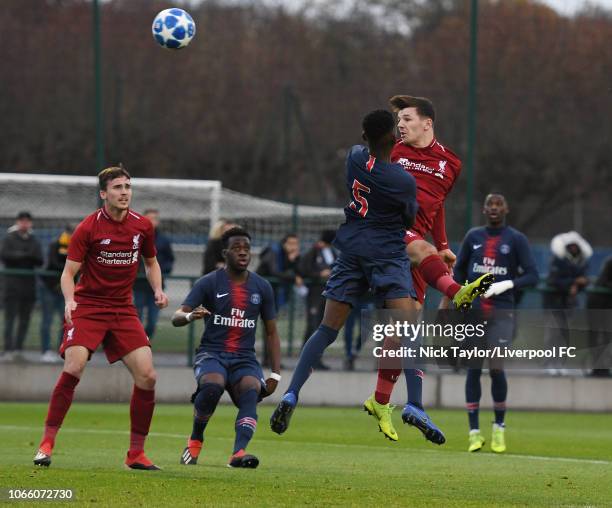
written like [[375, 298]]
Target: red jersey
[[110, 254], [435, 169]]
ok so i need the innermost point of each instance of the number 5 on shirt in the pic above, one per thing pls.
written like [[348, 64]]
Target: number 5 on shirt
[[359, 188]]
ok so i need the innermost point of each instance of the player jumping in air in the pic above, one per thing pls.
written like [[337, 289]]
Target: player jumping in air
[[435, 169], [105, 248], [503, 251], [371, 241], [230, 300]]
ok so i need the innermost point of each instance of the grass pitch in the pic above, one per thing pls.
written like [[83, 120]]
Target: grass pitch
[[329, 457]]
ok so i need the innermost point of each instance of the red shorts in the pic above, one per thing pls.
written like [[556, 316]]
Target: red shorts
[[420, 286], [118, 330]]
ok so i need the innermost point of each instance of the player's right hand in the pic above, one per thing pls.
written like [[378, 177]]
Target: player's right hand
[[199, 313], [68, 309], [449, 258]]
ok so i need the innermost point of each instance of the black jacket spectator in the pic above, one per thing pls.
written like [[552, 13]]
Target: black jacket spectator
[[281, 260], [21, 250], [568, 268], [315, 266]]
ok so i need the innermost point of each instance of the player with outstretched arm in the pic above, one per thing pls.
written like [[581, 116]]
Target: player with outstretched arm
[[502, 250], [230, 300]]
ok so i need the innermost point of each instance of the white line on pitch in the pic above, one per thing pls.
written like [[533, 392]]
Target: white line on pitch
[[182, 436]]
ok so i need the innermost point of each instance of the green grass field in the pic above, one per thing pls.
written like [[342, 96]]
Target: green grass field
[[328, 457]]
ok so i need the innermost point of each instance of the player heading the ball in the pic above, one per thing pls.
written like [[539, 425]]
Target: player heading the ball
[[371, 243]]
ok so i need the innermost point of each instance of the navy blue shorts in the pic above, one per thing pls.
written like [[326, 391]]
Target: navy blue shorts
[[500, 328], [232, 366], [352, 276]]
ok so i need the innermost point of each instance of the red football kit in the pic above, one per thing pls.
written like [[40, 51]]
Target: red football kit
[[110, 253], [435, 169]]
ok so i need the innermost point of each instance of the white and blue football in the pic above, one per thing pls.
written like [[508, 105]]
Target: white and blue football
[[173, 28]]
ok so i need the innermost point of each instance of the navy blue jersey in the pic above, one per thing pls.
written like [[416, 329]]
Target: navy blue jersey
[[505, 253], [234, 309], [383, 206]]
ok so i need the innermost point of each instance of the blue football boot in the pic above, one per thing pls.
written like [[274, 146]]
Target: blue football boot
[[279, 421], [412, 415]]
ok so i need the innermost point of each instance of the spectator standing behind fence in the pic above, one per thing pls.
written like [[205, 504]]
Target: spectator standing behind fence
[[315, 266], [144, 298], [281, 261], [600, 337], [51, 298], [20, 249], [213, 254], [566, 278]]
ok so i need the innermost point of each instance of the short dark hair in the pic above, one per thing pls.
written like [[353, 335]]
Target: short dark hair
[[24, 214], [235, 231], [287, 236], [376, 124], [108, 174], [423, 105], [328, 235]]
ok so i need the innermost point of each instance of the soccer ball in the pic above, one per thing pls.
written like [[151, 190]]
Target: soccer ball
[[173, 28]]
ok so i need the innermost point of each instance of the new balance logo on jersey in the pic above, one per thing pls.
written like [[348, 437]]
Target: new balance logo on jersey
[[135, 241], [106, 241]]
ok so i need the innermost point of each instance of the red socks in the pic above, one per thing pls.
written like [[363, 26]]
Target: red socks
[[60, 402], [385, 383], [436, 274], [141, 414]]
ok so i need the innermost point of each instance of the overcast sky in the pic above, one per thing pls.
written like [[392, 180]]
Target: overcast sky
[[570, 6]]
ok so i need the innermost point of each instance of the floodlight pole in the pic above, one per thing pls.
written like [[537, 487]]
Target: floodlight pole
[[99, 127], [472, 105]]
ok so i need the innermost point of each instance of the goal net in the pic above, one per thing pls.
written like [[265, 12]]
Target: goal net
[[188, 211]]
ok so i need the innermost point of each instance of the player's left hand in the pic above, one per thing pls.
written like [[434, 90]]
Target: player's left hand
[[497, 288], [161, 300], [271, 385], [448, 256]]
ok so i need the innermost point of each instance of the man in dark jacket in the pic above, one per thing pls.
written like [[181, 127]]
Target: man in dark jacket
[[599, 303], [316, 265], [20, 249], [566, 278], [51, 298], [281, 261], [143, 294]]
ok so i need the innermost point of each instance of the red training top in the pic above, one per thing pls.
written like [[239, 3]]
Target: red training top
[[435, 169], [109, 253]]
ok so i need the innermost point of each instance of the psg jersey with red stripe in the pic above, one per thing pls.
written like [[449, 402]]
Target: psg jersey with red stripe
[[502, 251], [110, 254], [435, 169], [382, 204], [235, 309]]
